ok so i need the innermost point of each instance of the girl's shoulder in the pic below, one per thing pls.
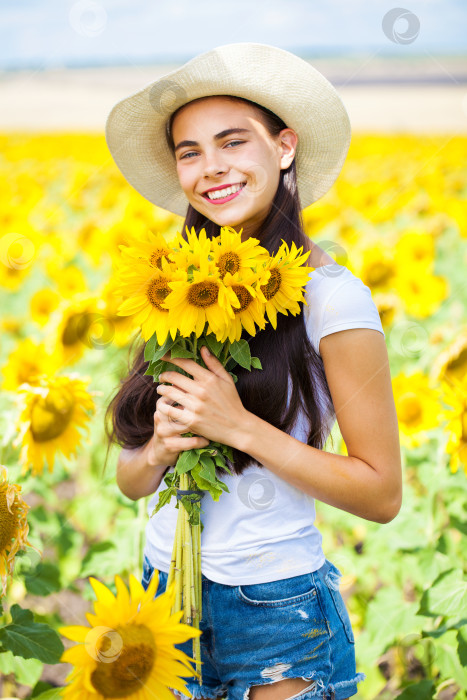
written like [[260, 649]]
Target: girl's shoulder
[[338, 300]]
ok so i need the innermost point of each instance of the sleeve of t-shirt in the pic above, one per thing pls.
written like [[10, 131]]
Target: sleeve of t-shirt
[[341, 304]]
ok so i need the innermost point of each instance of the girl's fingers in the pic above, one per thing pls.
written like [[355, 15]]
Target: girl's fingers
[[174, 394]]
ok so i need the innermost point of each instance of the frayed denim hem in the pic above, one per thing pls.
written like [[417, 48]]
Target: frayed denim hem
[[334, 691], [200, 692]]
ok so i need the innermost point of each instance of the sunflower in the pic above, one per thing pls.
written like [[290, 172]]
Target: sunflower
[[418, 407], [26, 363], [231, 255], [14, 526], [451, 363], [51, 414], [454, 397], [203, 299], [192, 251], [145, 289], [128, 652], [284, 288], [251, 309], [150, 251], [73, 327]]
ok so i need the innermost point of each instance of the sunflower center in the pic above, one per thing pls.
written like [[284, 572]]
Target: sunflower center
[[272, 287], [156, 257], [410, 409], [51, 416], [458, 365], [244, 297], [77, 327], [158, 289], [203, 293], [8, 523], [379, 273], [464, 428], [228, 262], [130, 670]]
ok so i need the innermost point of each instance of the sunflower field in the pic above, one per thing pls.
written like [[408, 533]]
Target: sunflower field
[[71, 544]]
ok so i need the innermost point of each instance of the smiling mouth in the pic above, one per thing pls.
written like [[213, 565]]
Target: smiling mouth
[[230, 192]]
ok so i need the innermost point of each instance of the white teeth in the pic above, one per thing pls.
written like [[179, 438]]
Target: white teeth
[[219, 194]]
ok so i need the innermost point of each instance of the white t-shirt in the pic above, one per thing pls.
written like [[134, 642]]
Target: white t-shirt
[[263, 529]]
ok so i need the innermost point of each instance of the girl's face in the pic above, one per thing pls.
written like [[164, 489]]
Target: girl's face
[[208, 158]]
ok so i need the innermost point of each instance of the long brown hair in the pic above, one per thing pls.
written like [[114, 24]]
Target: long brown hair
[[284, 352]]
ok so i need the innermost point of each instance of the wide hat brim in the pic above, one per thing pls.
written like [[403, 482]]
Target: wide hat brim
[[274, 78]]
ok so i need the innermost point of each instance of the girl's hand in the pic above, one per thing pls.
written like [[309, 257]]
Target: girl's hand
[[167, 442], [209, 403]]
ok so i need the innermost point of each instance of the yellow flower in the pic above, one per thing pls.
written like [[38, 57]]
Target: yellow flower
[[204, 299], [455, 396], [74, 326], [193, 251], [378, 268], [418, 407], [251, 309], [231, 255], [415, 248], [14, 526], [284, 288], [42, 304], [129, 652], [421, 293], [145, 289], [150, 251], [26, 363], [51, 414], [451, 363]]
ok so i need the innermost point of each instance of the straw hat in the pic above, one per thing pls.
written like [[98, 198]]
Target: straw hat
[[274, 78]]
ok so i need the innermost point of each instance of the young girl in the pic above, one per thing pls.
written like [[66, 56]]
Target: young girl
[[251, 135]]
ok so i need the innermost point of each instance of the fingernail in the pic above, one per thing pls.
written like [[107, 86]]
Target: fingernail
[[208, 352]]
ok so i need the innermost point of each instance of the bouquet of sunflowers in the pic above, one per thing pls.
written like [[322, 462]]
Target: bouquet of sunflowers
[[184, 294]]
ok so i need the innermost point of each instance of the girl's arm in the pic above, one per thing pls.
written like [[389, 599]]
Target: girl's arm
[[140, 470], [137, 476], [367, 482]]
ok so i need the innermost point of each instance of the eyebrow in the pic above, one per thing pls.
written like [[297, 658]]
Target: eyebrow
[[218, 136]]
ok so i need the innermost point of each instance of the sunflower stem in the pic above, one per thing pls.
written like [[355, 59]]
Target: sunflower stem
[[225, 352]]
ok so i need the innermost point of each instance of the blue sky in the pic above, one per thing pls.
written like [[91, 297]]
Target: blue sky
[[51, 33]]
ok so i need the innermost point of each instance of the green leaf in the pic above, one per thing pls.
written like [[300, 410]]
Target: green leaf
[[424, 690], [462, 646], [186, 461], [162, 350], [240, 351], [43, 579], [29, 639], [213, 344], [179, 351], [209, 468], [164, 497], [52, 694], [27, 671], [150, 347], [256, 363], [447, 595], [100, 559]]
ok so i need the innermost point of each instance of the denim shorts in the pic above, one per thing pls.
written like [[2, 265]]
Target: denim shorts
[[261, 633]]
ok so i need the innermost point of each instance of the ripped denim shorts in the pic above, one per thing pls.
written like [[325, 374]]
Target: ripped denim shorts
[[262, 633]]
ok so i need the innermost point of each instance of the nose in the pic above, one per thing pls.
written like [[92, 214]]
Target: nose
[[214, 163]]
